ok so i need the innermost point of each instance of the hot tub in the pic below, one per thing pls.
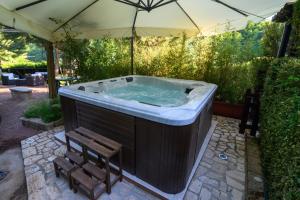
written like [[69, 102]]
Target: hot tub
[[160, 122]]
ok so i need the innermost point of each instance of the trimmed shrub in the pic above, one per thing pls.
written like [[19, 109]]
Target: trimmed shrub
[[280, 129], [260, 66], [22, 69]]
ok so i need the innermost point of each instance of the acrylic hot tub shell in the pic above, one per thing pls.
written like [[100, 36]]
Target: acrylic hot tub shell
[[160, 144]]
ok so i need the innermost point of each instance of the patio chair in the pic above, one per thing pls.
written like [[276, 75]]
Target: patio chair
[[9, 78], [35, 79], [44, 74]]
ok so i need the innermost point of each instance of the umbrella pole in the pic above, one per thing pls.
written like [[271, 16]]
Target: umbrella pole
[[132, 53], [132, 40]]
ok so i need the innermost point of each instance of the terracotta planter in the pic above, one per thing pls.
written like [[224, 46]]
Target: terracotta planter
[[228, 110]]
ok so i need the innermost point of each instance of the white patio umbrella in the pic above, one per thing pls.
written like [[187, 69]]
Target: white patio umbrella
[[123, 18]]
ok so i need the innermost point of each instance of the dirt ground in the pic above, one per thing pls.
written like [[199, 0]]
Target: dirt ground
[[11, 129], [11, 133]]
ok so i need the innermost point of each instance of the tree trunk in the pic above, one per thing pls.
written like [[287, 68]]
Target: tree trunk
[[57, 67], [51, 70]]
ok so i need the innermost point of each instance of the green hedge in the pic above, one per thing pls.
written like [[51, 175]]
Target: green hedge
[[280, 129], [27, 65]]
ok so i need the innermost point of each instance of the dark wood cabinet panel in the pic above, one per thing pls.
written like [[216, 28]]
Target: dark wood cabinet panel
[[161, 155], [164, 154], [68, 107]]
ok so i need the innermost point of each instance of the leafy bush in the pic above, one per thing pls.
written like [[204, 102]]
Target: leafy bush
[[224, 59], [48, 111], [272, 38], [260, 67], [280, 129]]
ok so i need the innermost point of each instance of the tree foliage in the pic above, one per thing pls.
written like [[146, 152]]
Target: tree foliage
[[224, 59], [14, 45]]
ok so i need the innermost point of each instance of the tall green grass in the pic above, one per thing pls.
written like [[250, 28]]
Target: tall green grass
[[47, 110]]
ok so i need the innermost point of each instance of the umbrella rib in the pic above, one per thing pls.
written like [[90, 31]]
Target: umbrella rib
[[148, 6], [188, 16], [255, 15], [163, 4], [231, 7], [131, 4], [157, 3], [29, 5], [240, 11], [142, 3], [74, 16], [151, 3]]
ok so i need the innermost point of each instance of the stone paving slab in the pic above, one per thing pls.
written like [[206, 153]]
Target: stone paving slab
[[255, 180], [38, 153], [214, 178]]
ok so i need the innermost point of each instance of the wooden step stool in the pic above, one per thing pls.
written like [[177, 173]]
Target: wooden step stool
[[89, 185], [106, 149], [64, 167], [81, 141]]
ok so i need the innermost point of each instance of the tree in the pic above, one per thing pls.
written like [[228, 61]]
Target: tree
[[13, 43], [271, 38]]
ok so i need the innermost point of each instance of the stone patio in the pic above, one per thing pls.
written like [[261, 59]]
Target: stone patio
[[214, 178]]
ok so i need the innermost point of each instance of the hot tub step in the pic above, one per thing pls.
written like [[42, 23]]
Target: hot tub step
[[75, 158], [82, 180], [99, 138], [94, 171]]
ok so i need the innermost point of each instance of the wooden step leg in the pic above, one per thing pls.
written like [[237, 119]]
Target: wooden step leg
[[99, 162], [92, 197], [70, 181], [108, 184], [120, 165], [74, 185], [56, 170], [68, 143]]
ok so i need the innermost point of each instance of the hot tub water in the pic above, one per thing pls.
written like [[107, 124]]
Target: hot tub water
[[157, 95]]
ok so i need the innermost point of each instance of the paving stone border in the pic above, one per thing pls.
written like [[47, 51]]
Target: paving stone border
[[38, 124], [214, 178]]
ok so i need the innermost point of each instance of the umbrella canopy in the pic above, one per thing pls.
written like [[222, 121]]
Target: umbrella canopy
[[118, 18]]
